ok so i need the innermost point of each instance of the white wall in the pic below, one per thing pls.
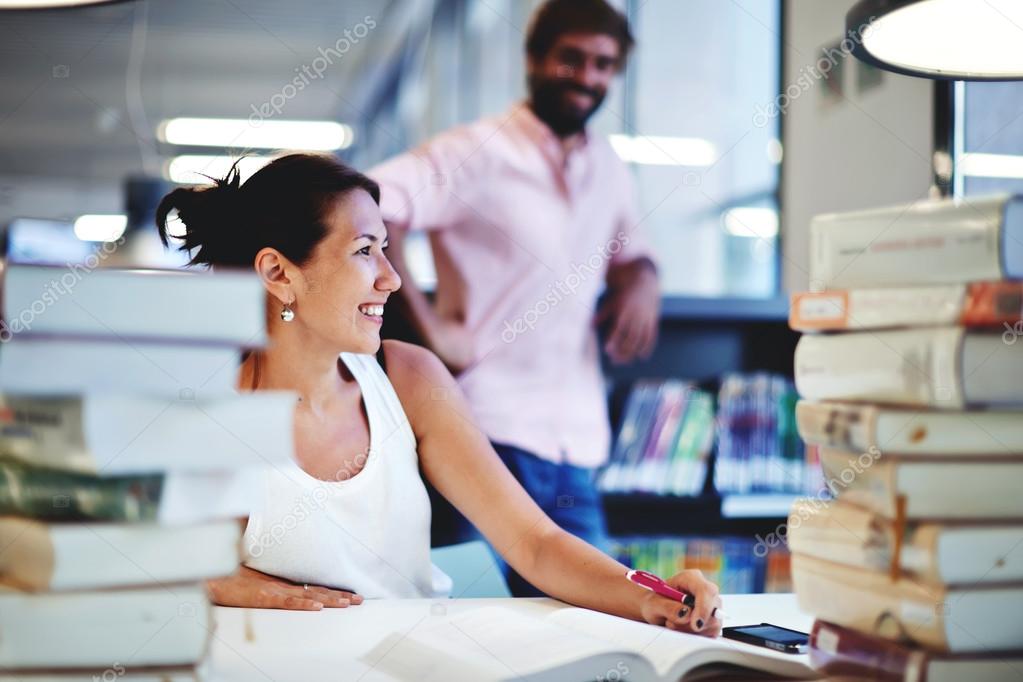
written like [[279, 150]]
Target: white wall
[[870, 148]]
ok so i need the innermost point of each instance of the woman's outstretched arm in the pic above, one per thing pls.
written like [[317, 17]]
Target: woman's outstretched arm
[[459, 461]]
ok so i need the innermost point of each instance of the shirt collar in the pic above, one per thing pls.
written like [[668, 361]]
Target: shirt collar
[[543, 135]]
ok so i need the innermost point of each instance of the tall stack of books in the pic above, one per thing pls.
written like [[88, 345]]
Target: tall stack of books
[[664, 442], [119, 430], [912, 378]]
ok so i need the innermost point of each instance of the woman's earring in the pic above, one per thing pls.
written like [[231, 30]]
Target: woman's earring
[[287, 314]]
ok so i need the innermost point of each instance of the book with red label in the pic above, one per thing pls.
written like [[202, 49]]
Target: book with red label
[[978, 304], [843, 652]]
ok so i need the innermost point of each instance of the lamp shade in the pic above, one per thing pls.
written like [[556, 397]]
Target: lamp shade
[[942, 39]]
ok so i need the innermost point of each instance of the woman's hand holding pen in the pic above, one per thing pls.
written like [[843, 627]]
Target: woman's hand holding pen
[[703, 618]]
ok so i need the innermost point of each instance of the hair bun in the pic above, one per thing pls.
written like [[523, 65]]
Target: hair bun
[[211, 216]]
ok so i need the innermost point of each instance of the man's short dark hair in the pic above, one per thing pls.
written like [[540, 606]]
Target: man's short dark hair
[[558, 17]]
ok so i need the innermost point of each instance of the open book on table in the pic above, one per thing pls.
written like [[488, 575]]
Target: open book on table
[[510, 643]]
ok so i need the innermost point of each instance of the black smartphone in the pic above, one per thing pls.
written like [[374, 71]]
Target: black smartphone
[[770, 636]]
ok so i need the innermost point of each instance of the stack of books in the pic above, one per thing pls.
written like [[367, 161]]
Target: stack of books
[[758, 449], [664, 442], [119, 430], [912, 377], [735, 564]]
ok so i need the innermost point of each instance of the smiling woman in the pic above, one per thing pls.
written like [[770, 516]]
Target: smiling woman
[[351, 518]]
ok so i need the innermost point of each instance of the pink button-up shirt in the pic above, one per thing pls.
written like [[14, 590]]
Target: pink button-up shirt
[[522, 234]]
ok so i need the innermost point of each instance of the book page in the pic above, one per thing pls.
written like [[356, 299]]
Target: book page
[[511, 645], [662, 647], [674, 654]]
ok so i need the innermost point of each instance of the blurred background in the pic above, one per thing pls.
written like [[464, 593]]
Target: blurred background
[[88, 92], [750, 139]]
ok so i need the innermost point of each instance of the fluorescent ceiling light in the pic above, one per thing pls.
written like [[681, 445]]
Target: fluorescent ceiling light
[[747, 221], [991, 165], [948, 39], [192, 169], [100, 228], [664, 151], [239, 133]]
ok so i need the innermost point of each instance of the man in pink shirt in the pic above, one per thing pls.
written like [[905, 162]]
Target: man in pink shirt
[[529, 217]]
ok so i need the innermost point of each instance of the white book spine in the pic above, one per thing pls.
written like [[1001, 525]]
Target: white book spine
[[930, 242], [915, 367]]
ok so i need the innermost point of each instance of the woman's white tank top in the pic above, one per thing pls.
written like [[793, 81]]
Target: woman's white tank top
[[368, 533]]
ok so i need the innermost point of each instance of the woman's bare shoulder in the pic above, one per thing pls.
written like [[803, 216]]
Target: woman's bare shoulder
[[416, 373]]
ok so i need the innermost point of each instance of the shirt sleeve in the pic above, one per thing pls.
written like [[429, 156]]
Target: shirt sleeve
[[415, 187], [631, 235]]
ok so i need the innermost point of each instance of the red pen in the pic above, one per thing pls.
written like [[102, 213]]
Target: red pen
[[656, 584]]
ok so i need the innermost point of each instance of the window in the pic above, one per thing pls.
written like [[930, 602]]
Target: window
[[702, 72], [988, 138]]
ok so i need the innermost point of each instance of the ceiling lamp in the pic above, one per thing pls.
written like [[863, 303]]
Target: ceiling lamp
[[943, 39]]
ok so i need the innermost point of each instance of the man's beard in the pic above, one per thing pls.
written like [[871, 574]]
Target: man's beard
[[547, 100]]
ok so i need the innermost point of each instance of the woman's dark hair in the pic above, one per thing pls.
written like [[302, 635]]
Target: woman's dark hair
[[558, 17], [283, 206]]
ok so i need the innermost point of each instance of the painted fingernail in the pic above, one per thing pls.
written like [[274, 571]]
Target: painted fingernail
[[699, 623], [683, 612]]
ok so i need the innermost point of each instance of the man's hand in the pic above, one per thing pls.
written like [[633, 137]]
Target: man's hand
[[254, 589], [452, 343], [633, 307]]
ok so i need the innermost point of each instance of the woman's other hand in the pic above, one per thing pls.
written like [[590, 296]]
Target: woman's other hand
[[675, 616], [253, 589]]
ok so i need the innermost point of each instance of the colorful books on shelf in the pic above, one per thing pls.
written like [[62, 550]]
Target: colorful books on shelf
[[664, 441], [758, 448], [737, 565], [120, 432], [912, 380]]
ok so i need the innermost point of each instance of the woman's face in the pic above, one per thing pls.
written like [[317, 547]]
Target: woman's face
[[343, 287]]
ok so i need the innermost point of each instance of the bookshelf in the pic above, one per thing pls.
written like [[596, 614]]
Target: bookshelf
[[701, 340]]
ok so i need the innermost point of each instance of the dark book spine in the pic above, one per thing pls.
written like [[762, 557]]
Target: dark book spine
[[52, 495], [839, 651]]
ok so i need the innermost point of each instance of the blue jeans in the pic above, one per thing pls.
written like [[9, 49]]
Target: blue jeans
[[566, 493]]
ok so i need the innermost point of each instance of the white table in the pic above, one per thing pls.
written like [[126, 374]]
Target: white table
[[344, 644]]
